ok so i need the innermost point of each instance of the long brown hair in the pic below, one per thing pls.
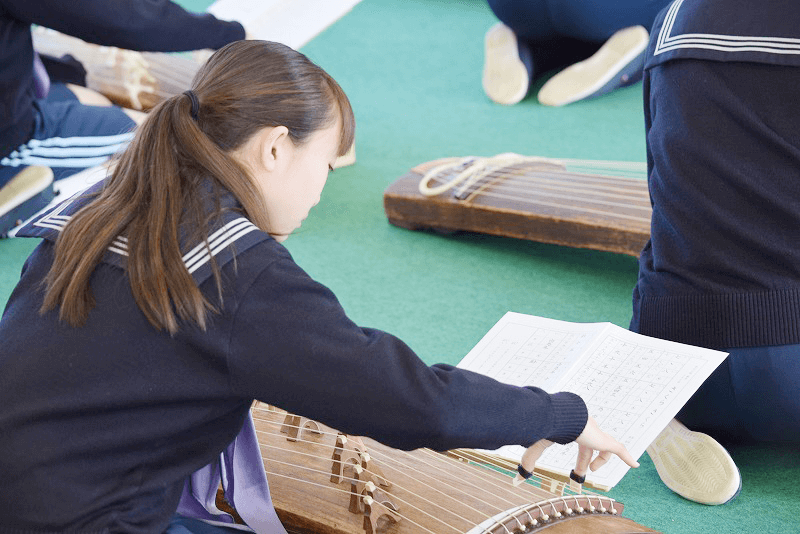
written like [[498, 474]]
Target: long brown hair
[[159, 187]]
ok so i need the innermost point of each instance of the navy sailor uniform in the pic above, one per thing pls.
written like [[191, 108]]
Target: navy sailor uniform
[[722, 267], [157, 25], [103, 423]]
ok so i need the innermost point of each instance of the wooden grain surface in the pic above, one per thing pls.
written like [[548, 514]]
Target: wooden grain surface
[[547, 205], [431, 492], [136, 80]]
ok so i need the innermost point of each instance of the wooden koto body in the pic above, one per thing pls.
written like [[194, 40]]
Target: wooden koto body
[[136, 80], [542, 202], [325, 483]]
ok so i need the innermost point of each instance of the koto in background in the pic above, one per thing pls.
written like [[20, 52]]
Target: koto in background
[[412, 70]]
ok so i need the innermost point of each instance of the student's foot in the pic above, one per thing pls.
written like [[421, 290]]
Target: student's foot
[[24, 195], [619, 62], [694, 465], [507, 66]]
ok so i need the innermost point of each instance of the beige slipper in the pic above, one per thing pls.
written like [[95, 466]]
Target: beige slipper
[[505, 77], [619, 62], [694, 465]]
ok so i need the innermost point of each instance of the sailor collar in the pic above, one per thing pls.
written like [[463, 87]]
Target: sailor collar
[[229, 237], [727, 30]]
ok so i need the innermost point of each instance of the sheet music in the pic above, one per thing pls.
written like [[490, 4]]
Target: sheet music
[[517, 352], [633, 385]]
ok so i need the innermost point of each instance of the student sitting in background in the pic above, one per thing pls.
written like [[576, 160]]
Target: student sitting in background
[[722, 267], [56, 128], [601, 43]]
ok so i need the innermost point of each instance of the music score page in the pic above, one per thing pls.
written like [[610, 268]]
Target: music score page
[[633, 385]]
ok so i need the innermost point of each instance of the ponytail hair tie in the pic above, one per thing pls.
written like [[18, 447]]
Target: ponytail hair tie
[[195, 111]]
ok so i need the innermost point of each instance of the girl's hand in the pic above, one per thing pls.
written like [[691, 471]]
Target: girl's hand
[[591, 439]]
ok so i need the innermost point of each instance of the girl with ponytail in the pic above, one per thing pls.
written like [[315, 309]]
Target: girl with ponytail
[[160, 303], [185, 154]]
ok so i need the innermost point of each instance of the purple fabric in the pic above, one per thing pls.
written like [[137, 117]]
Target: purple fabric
[[240, 469], [41, 80]]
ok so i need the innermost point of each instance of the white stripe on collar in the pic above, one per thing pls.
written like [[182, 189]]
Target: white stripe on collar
[[194, 259], [722, 43]]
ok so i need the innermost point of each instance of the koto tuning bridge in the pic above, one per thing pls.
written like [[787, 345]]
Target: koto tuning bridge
[[482, 502], [294, 425], [351, 451], [352, 462], [378, 505]]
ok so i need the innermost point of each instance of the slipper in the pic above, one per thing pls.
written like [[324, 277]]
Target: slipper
[[618, 63], [507, 66], [694, 465]]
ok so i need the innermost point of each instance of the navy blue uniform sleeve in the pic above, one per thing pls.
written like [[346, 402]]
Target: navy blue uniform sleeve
[[293, 346], [145, 25]]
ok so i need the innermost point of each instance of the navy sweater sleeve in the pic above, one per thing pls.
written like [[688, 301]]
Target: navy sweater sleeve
[[146, 25], [293, 346]]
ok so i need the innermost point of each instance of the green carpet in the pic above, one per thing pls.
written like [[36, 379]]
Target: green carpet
[[412, 70]]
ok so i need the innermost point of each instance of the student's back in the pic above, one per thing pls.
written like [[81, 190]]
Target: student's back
[[101, 424]]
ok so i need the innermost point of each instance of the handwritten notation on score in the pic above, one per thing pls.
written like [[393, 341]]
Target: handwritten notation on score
[[633, 385]]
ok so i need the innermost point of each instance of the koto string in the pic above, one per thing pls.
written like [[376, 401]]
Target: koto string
[[432, 453], [567, 181], [346, 491], [470, 170], [326, 473], [439, 456], [564, 181], [373, 454], [541, 478], [436, 455], [572, 196], [538, 201], [544, 182], [395, 497], [464, 469], [565, 499], [467, 473], [557, 182], [172, 66], [575, 208], [528, 488], [442, 480], [385, 465], [170, 75], [447, 476], [404, 472]]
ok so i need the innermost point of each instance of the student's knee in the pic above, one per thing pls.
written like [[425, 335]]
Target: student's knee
[[88, 96], [136, 116]]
